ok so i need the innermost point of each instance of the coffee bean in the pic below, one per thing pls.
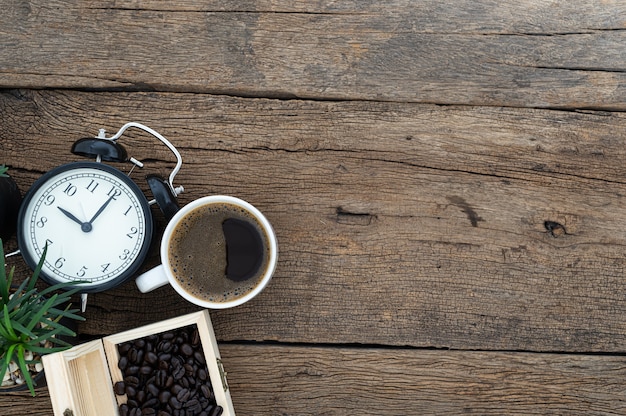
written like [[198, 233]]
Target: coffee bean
[[176, 362], [140, 397], [195, 338], [153, 389], [183, 395], [217, 411], [175, 403], [140, 343], [161, 378], [131, 381], [119, 388], [132, 370], [145, 370], [149, 412], [167, 335], [176, 389], [205, 390], [139, 357], [123, 409], [124, 348], [186, 349], [151, 358], [130, 391], [192, 404], [202, 374], [199, 357], [122, 363], [164, 396], [150, 404], [178, 372]]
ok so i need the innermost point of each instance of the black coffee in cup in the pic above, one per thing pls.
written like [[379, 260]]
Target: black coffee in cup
[[219, 252]]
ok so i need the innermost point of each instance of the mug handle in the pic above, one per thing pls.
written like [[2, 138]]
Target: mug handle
[[152, 279]]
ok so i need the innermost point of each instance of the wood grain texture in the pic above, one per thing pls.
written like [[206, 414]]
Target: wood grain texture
[[297, 380], [422, 225], [527, 53], [330, 381]]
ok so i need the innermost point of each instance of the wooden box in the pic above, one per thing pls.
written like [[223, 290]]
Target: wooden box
[[82, 378]]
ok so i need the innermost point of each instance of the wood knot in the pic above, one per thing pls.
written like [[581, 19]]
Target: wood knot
[[466, 208], [555, 229]]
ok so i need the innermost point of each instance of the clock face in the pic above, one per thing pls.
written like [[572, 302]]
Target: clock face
[[95, 221]]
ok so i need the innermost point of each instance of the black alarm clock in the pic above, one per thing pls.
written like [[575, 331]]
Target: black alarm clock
[[94, 220]]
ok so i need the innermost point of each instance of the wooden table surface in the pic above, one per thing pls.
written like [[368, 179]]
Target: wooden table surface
[[447, 181]]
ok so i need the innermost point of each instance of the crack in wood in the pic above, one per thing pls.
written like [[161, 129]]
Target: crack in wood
[[354, 218]]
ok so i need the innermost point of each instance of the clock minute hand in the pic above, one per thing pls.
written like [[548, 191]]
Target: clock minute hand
[[108, 201]]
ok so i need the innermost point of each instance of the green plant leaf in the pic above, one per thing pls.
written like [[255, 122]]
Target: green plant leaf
[[18, 296], [7, 324], [35, 275], [47, 350], [37, 316], [6, 359], [66, 295], [19, 328], [4, 366], [24, 369], [66, 313], [4, 333], [48, 334]]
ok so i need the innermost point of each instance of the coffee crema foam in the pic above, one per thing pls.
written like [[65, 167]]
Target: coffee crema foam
[[198, 253]]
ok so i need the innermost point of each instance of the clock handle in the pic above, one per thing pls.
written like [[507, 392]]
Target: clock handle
[[152, 279]]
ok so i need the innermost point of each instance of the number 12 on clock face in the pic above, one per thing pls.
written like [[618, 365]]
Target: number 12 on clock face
[[95, 221]]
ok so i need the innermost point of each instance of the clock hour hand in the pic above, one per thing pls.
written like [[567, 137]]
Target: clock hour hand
[[70, 216], [108, 201], [84, 226]]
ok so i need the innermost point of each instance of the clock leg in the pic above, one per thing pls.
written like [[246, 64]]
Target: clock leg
[[83, 302]]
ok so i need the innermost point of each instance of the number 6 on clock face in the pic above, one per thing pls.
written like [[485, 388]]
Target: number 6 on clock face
[[94, 220]]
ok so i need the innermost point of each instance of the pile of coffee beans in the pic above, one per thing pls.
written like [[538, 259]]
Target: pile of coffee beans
[[166, 375]]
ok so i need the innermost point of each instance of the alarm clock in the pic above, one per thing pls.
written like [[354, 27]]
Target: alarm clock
[[94, 220]]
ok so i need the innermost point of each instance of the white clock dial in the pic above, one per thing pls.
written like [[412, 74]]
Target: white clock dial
[[94, 220]]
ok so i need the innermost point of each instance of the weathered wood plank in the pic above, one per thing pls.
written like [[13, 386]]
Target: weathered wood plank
[[526, 53], [318, 381], [398, 224], [293, 380]]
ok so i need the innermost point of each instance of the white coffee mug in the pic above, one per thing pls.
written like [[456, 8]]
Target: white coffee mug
[[163, 274]]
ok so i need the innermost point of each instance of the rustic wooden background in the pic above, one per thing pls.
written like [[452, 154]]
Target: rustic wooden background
[[446, 180]]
